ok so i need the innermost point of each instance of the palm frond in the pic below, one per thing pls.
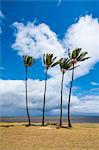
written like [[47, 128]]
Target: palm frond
[[85, 58], [49, 60], [74, 67], [65, 64], [76, 53], [69, 54], [54, 64], [81, 56], [54, 59], [32, 62], [44, 58], [78, 50]]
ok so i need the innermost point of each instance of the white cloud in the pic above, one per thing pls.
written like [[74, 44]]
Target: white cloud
[[1, 17], [94, 83], [88, 104], [14, 94], [12, 97], [36, 40], [84, 34]]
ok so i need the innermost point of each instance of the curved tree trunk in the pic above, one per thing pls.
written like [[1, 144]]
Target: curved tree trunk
[[61, 99], [27, 98], [43, 118], [69, 123]]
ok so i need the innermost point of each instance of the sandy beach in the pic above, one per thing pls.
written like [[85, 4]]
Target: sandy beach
[[17, 136]]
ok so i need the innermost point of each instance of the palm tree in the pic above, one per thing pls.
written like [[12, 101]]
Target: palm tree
[[64, 66], [75, 56], [28, 61], [49, 61]]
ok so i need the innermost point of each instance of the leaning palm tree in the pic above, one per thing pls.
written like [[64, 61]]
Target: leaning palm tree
[[65, 65], [28, 61], [49, 61], [75, 56]]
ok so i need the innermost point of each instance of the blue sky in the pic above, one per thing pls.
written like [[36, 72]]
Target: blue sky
[[59, 19]]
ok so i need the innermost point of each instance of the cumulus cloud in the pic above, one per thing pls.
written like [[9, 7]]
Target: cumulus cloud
[[14, 94], [88, 104], [84, 34], [36, 40], [13, 98], [85, 105]]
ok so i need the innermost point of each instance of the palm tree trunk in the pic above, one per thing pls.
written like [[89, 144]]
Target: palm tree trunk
[[43, 118], [69, 123], [61, 99], [27, 98]]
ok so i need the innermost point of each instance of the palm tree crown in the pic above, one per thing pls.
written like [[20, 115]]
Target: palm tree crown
[[65, 64], [28, 60], [48, 60], [77, 56]]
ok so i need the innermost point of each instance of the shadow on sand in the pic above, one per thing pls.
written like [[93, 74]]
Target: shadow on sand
[[6, 126], [52, 125]]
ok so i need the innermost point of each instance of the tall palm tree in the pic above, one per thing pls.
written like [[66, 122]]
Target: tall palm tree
[[64, 66], [75, 56], [49, 61], [28, 61]]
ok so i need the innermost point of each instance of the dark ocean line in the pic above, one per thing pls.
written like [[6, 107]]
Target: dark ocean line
[[86, 119]]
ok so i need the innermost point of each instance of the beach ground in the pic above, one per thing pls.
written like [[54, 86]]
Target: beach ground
[[17, 136]]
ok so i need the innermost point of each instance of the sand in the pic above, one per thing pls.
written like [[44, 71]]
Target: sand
[[16, 136]]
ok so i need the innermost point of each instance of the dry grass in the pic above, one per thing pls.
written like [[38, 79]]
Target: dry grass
[[15, 136]]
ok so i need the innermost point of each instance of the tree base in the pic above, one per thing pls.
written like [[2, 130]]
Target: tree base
[[42, 125], [69, 126]]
